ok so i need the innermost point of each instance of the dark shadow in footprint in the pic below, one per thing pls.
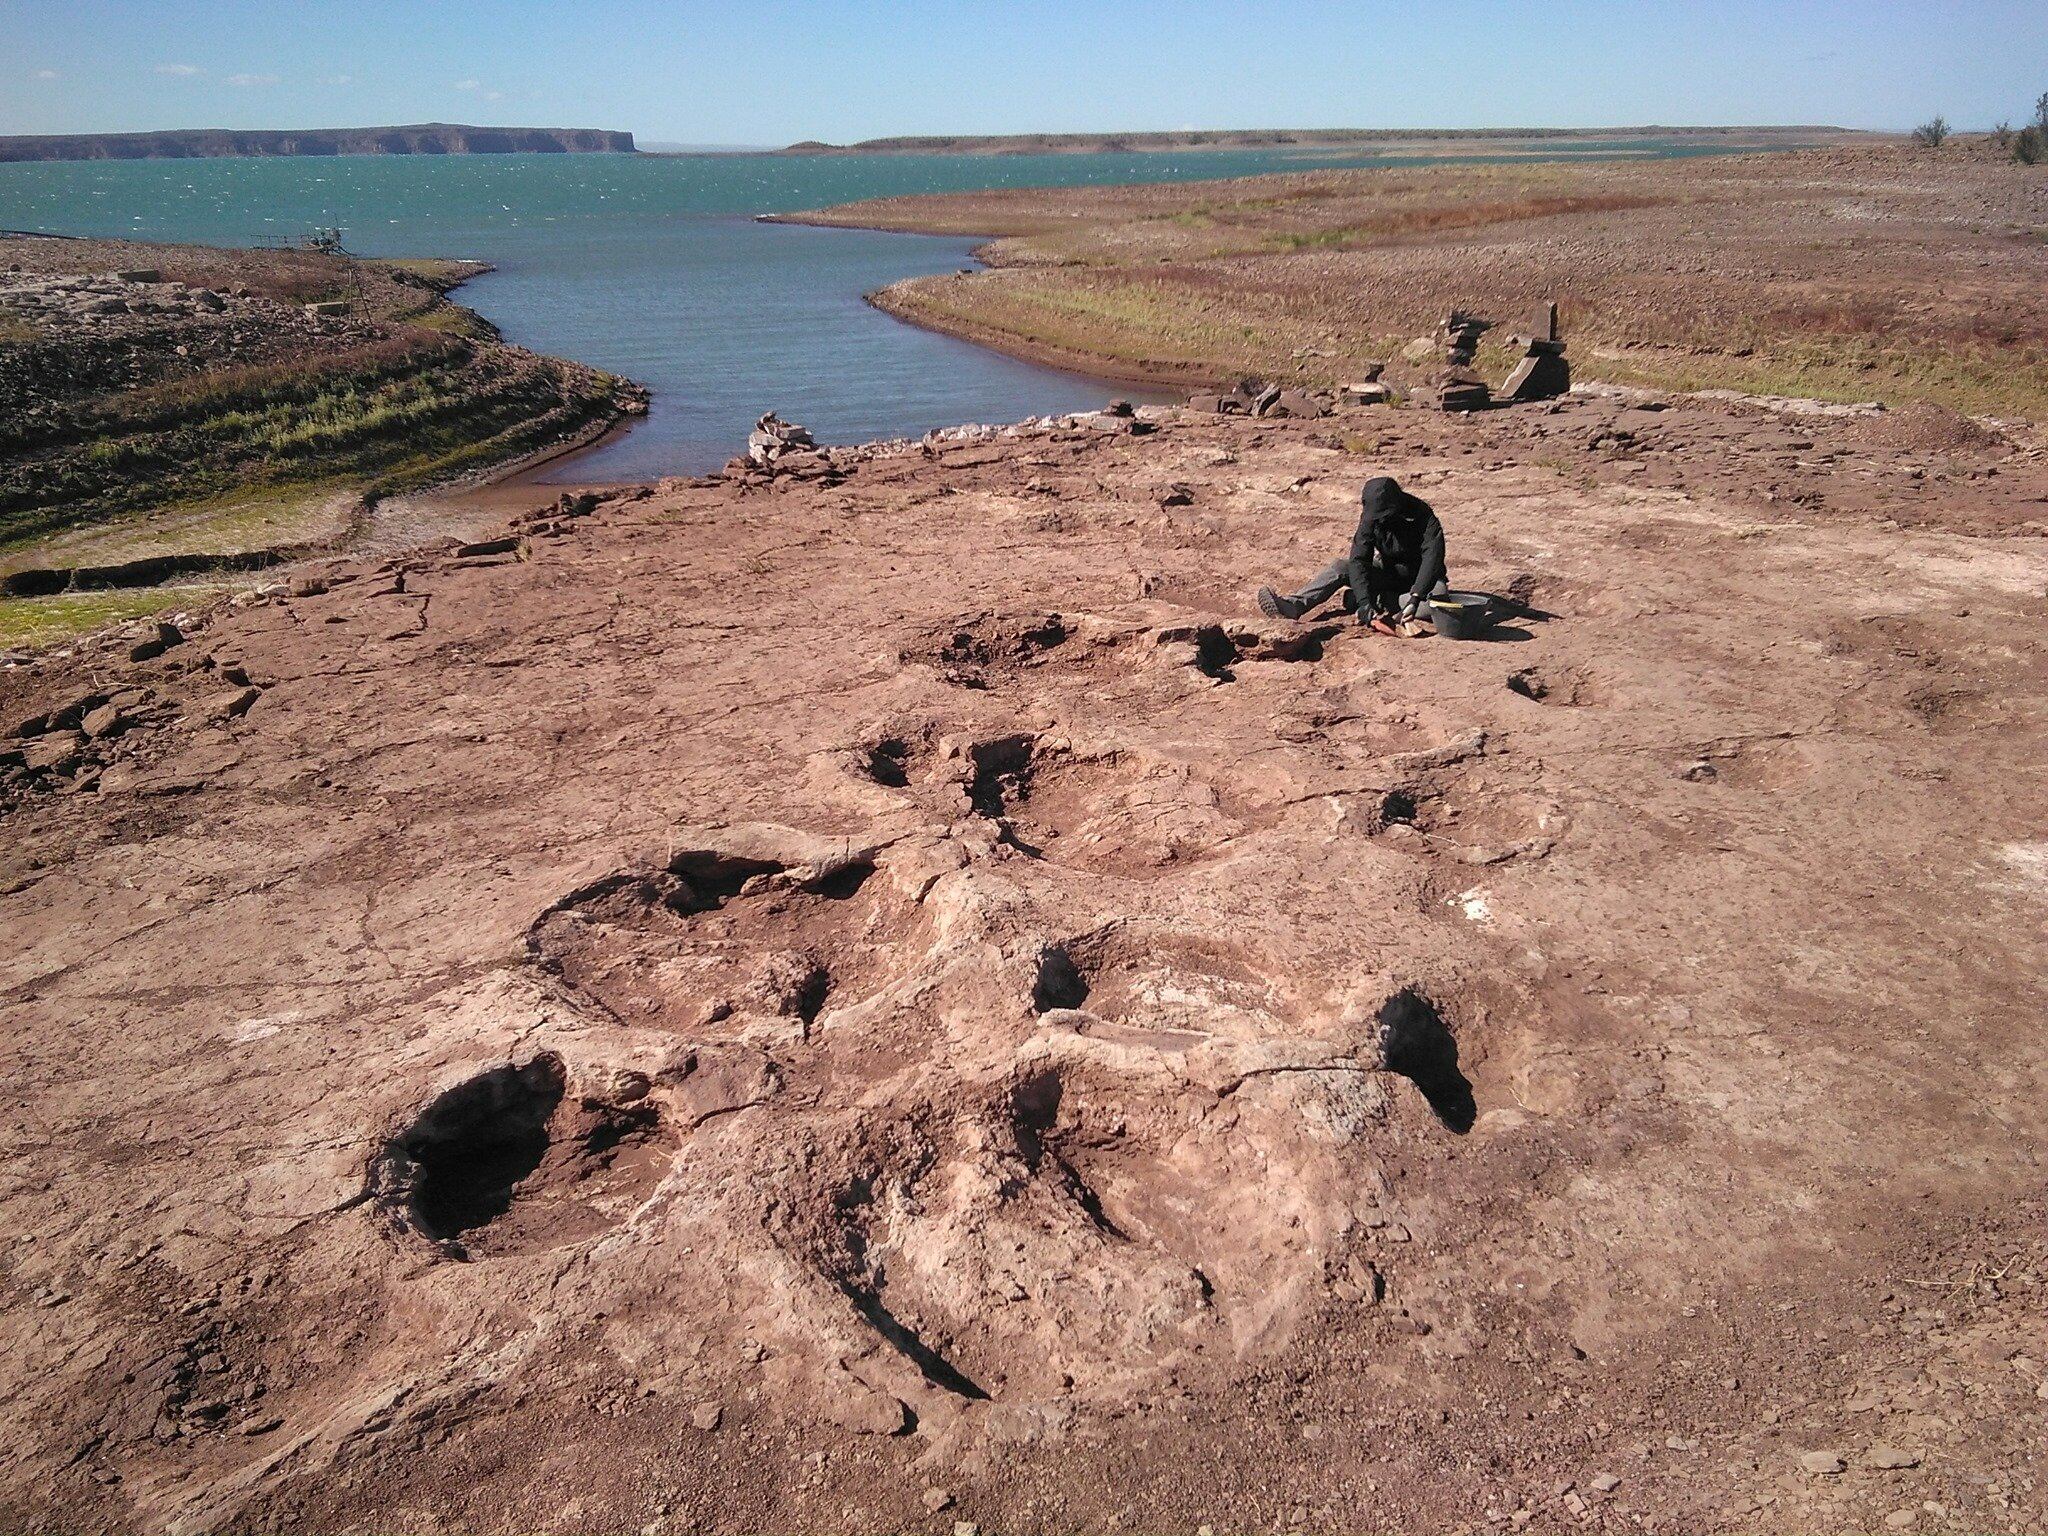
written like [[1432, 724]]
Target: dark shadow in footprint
[[1216, 653], [844, 882], [1060, 983], [1416, 1044], [933, 1366], [1002, 774], [1519, 600], [886, 763], [1034, 1111], [473, 1145]]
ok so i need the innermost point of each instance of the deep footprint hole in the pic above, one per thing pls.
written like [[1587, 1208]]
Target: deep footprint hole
[[1416, 1044], [1216, 653], [1059, 983], [811, 995], [1034, 1109], [1002, 774], [708, 880], [844, 882], [469, 1150], [1034, 1113], [888, 763], [1567, 686]]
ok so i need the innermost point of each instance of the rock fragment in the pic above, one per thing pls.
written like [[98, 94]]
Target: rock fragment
[[231, 704], [1543, 373], [108, 720]]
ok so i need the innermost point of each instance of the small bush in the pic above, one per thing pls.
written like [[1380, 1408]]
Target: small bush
[[2030, 145], [1932, 133], [2002, 135]]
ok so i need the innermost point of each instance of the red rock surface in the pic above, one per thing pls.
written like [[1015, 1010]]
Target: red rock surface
[[868, 999]]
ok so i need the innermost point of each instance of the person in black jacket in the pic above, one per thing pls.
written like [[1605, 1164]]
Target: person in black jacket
[[1396, 560]]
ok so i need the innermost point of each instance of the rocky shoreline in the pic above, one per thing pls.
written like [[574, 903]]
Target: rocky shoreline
[[177, 409]]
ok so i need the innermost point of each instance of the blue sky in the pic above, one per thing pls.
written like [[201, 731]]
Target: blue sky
[[767, 73]]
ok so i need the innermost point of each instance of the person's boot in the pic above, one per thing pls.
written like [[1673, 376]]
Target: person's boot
[[1274, 606]]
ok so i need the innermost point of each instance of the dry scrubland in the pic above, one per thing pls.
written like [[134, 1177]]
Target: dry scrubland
[[1847, 273]]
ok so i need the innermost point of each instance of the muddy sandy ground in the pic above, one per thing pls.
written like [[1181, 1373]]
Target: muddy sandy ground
[[872, 1003]]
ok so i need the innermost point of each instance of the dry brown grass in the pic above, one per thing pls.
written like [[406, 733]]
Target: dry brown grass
[[1418, 221], [1855, 273]]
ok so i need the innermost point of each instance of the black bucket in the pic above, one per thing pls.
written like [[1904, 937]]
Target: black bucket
[[1462, 615]]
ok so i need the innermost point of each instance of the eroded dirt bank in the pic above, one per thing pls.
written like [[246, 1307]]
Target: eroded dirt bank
[[879, 999]]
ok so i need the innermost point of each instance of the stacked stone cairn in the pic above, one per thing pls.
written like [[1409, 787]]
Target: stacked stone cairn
[[773, 438], [1368, 389], [1462, 389]]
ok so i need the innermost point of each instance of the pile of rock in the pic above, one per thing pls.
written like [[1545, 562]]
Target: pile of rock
[[1461, 334], [1254, 397], [1119, 416], [777, 449], [1368, 389], [1542, 374], [92, 299], [773, 439], [1459, 388]]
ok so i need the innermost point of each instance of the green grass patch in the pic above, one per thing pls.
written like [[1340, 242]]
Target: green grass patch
[[449, 320], [41, 621], [266, 517], [409, 406]]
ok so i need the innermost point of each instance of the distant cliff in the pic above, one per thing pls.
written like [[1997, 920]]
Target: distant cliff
[[416, 139], [1405, 139]]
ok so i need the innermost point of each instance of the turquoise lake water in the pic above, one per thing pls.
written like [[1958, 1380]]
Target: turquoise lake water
[[651, 266]]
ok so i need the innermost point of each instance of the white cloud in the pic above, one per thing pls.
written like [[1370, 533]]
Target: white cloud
[[469, 85], [252, 79], [182, 70], [341, 79], [44, 74], [494, 95]]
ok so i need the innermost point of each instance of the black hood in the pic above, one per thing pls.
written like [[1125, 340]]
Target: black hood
[[1383, 497]]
